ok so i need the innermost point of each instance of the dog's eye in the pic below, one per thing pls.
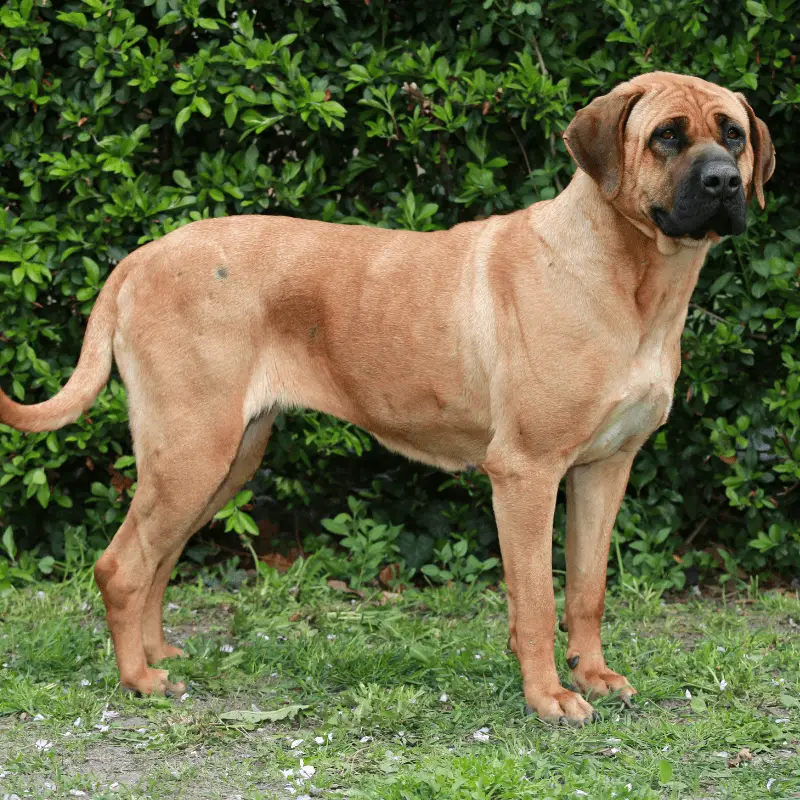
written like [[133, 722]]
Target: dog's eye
[[668, 134], [733, 134]]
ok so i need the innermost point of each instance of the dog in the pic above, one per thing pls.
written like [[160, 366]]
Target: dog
[[539, 344]]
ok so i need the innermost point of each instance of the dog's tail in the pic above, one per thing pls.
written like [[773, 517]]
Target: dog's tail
[[89, 377]]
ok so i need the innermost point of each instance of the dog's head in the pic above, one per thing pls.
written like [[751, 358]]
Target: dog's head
[[676, 154]]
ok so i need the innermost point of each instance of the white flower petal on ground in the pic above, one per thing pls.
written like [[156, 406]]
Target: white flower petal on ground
[[306, 771], [365, 739], [319, 740], [723, 685], [84, 682], [287, 773], [77, 723], [42, 745], [226, 648], [443, 697], [107, 714], [769, 784], [688, 695], [296, 743], [481, 735]]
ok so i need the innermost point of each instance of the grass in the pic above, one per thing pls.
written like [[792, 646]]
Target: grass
[[383, 697]]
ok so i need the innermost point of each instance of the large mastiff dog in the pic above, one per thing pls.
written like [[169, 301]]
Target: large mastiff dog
[[539, 344]]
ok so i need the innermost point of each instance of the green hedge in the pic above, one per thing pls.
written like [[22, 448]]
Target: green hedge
[[123, 121]]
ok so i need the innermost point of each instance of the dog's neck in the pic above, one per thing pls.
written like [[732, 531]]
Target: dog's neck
[[643, 264]]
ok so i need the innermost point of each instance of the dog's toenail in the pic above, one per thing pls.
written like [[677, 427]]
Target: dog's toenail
[[573, 662]]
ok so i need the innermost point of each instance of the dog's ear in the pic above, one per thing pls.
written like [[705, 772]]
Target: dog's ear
[[595, 138], [763, 153]]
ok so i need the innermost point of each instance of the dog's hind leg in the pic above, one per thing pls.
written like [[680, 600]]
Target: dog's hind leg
[[247, 460], [185, 456]]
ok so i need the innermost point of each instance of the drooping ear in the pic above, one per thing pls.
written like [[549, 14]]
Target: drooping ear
[[596, 136], [763, 153]]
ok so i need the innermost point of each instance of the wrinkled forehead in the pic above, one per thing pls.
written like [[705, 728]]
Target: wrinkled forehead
[[700, 104]]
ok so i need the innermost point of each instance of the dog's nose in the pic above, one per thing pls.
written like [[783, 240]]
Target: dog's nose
[[720, 179]]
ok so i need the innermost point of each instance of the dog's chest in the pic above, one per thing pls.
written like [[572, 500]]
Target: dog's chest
[[641, 402]]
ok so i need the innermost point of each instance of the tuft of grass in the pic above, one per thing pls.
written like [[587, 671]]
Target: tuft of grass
[[402, 697]]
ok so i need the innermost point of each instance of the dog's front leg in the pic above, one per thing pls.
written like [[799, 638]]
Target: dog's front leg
[[594, 495], [524, 496]]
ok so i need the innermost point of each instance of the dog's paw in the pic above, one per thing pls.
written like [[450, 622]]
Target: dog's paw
[[597, 680], [156, 654], [153, 681], [562, 707]]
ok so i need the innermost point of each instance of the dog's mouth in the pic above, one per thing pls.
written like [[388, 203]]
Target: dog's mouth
[[722, 221]]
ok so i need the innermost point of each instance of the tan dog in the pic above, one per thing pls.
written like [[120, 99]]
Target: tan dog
[[537, 344]]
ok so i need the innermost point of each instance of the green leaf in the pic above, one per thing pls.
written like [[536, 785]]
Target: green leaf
[[115, 37], [169, 18], [20, 58], [231, 110], [787, 701], [664, 771], [46, 565], [698, 705], [8, 543], [757, 9], [255, 717], [180, 177], [182, 118], [38, 477], [334, 527], [92, 270], [201, 104], [74, 18]]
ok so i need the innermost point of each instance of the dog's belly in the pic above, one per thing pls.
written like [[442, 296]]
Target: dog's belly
[[447, 449]]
